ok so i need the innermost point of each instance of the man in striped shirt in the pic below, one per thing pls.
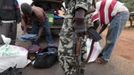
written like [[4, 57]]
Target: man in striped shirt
[[114, 14]]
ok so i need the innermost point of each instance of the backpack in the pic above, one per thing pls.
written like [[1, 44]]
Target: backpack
[[9, 10], [45, 58]]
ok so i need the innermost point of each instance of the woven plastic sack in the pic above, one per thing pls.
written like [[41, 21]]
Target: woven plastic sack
[[11, 55], [91, 55]]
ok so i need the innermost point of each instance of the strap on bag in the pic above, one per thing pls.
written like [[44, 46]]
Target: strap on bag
[[78, 46]]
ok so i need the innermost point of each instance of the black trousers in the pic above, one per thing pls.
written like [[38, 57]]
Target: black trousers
[[9, 30]]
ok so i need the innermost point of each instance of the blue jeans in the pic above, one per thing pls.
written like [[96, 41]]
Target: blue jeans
[[116, 26], [46, 25]]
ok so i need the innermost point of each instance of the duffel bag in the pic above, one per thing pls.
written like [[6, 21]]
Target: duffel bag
[[45, 58]]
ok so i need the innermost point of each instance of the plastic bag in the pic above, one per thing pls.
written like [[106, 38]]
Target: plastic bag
[[96, 50], [28, 37], [11, 55]]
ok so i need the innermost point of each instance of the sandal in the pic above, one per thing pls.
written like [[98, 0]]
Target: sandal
[[101, 61]]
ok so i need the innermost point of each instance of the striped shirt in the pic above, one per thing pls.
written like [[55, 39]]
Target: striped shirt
[[106, 9]]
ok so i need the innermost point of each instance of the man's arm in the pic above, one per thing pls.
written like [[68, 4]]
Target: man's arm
[[24, 26], [40, 32], [79, 25], [41, 16], [81, 8]]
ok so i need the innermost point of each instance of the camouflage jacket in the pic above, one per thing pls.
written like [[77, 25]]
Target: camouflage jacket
[[72, 5]]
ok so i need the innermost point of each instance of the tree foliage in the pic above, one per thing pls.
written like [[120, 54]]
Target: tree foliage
[[129, 4]]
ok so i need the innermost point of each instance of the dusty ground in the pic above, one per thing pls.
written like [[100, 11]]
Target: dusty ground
[[125, 44], [121, 63]]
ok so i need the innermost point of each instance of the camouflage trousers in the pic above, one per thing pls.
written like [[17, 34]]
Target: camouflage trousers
[[66, 48]]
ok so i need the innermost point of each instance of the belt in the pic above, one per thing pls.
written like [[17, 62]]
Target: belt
[[10, 21]]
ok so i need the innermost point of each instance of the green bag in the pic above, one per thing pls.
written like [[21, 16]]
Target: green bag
[[51, 18]]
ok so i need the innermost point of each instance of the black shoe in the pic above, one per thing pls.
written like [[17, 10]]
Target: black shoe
[[82, 72]]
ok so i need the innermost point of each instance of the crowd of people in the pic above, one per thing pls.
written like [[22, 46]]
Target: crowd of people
[[106, 13]]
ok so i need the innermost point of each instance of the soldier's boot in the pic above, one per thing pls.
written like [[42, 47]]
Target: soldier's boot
[[74, 73], [81, 72]]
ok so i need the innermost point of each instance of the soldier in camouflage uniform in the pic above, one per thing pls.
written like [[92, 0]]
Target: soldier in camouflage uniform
[[66, 42]]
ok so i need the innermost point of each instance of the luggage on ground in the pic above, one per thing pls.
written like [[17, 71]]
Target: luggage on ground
[[45, 58]]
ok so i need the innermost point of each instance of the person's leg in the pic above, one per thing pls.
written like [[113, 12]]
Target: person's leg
[[66, 49], [5, 30], [35, 27], [13, 32], [114, 30], [35, 30], [48, 34]]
